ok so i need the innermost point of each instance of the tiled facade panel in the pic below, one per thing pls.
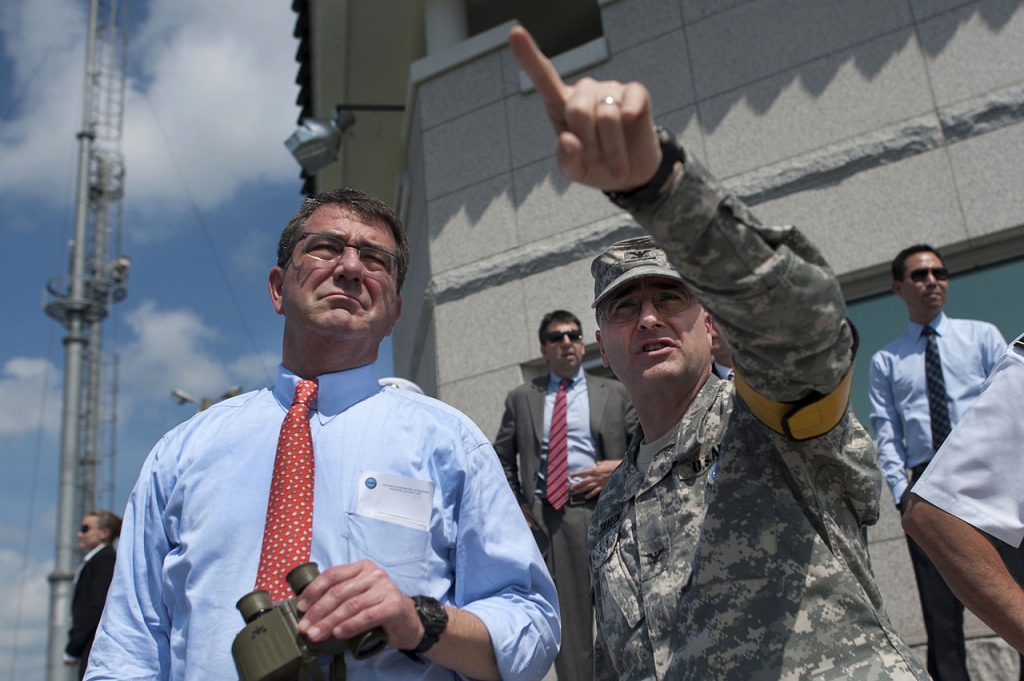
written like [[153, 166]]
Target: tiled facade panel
[[868, 124]]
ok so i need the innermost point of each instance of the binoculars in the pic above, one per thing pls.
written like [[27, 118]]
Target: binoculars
[[270, 647]]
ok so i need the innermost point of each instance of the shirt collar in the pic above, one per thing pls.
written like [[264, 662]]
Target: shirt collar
[[939, 324], [554, 380], [335, 392], [88, 556]]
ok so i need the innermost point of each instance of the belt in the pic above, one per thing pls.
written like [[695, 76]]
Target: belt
[[576, 500], [918, 470]]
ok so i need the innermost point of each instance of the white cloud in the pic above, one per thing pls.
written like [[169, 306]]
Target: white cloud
[[210, 101], [174, 349], [254, 253], [30, 395], [221, 81], [27, 521], [48, 68], [170, 350], [24, 615], [252, 371]]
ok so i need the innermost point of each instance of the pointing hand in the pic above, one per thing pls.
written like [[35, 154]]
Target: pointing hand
[[606, 136]]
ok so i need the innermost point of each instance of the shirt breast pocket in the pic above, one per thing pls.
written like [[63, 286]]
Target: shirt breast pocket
[[614, 585], [401, 550]]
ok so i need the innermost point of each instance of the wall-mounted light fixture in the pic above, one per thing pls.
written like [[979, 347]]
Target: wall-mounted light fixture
[[315, 144], [181, 397]]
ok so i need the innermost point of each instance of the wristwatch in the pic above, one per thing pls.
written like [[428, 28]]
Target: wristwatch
[[434, 618], [641, 196]]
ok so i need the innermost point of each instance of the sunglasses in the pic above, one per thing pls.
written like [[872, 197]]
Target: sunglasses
[[556, 336], [921, 274], [84, 529]]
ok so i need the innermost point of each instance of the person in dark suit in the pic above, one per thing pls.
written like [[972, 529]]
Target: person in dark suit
[[722, 365], [600, 421], [96, 536]]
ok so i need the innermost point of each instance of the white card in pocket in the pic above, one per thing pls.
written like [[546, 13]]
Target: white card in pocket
[[396, 499]]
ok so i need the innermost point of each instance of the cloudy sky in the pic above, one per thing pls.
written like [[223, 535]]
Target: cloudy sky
[[209, 186]]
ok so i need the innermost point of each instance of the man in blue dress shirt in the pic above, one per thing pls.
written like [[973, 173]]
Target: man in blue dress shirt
[[411, 510], [907, 424]]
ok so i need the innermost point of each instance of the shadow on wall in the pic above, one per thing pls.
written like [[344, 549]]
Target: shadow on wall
[[692, 79]]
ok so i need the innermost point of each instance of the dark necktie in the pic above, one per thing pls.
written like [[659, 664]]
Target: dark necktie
[[557, 479], [938, 400], [288, 532]]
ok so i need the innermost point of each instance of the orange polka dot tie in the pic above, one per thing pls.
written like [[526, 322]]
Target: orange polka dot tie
[[288, 532]]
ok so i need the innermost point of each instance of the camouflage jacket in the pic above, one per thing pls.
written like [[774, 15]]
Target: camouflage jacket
[[739, 553]]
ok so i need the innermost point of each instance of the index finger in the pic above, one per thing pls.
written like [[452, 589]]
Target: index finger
[[336, 574], [539, 68]]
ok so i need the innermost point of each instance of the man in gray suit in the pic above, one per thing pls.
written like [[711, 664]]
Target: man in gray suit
[[598, 425]]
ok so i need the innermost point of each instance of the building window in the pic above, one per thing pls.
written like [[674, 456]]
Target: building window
[[557, 27]]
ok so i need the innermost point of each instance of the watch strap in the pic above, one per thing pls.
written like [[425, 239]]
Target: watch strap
[[641, 196], [434, 618]]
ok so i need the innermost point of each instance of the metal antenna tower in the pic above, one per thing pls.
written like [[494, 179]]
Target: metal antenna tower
[[81, 300]]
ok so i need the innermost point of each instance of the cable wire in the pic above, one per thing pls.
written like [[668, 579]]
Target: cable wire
[[66, 226], [16, 99], [44, 393], [209, 240]]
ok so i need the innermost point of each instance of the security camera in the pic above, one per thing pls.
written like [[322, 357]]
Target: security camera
[[181, 397], [232, 392], [119, 269]]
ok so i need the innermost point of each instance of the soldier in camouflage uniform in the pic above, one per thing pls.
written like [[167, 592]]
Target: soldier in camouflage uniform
[[728, 543]]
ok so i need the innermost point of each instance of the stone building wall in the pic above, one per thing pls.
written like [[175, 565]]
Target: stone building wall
[[870, 124]]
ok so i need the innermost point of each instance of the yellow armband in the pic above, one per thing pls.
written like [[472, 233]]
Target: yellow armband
[[798, 420]]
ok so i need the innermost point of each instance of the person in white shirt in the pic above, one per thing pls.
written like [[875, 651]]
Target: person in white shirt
[[968, 507]]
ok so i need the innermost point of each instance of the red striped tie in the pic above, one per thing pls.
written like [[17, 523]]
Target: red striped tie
[[288, 533], [558, 451]]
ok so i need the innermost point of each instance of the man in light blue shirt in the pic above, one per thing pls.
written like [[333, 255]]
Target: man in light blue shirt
[[409, 499], [901, 416]]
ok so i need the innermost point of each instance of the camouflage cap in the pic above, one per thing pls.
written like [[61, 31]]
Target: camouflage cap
[[627, 260]]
